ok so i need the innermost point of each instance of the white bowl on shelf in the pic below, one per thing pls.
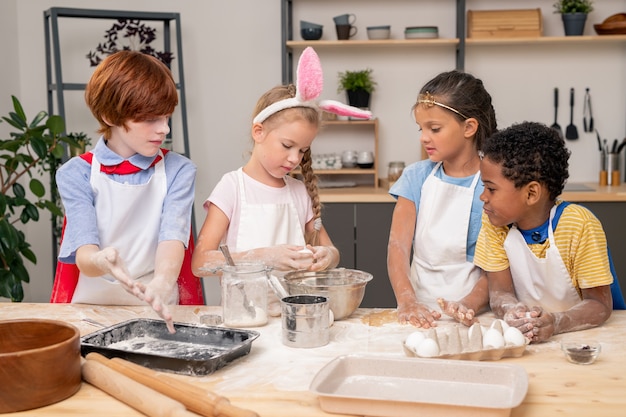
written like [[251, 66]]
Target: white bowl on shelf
[[378, 32]]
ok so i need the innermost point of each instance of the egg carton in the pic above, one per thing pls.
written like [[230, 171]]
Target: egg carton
[[476, 343]]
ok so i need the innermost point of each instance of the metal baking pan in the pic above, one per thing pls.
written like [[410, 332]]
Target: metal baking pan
[[192, 350]]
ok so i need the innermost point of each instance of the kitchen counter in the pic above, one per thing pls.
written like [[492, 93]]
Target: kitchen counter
[[273, 379], [575, 192]]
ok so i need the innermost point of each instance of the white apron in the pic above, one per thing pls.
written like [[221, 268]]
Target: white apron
[[128, 218], [440, 267], [537, 281], [263, 225]]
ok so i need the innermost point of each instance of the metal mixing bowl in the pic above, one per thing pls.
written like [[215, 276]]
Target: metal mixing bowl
[[344, 288]]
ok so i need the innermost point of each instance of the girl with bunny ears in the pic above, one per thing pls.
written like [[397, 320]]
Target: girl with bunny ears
[[260, 211]]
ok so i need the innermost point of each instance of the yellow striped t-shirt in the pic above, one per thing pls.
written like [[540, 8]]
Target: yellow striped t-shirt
[[579, 237]]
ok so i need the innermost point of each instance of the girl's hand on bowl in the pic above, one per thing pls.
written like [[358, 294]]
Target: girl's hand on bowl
[[324, 257]]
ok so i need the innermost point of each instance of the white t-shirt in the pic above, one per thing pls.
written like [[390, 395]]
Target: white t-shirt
[[225, 196]]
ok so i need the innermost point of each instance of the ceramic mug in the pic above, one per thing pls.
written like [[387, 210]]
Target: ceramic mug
[[345, 19], [345, 32]]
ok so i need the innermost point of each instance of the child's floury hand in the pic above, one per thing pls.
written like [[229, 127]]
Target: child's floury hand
[[109, 261], [418, 315], [323, 258], [158, 293], [457, 311]]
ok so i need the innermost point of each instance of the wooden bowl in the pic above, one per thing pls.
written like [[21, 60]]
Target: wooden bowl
[[39, 363], [612, 25]]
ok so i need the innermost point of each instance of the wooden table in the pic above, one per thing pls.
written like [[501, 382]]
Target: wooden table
[[273, 379]]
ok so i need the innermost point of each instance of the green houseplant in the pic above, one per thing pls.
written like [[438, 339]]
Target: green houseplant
[[34, 147], [573, 6], [358, 85], [574, 15]]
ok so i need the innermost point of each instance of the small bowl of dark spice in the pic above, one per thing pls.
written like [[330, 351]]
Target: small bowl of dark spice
[[582, 353]]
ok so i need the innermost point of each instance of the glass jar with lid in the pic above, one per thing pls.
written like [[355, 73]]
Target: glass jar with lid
[[394, 171]]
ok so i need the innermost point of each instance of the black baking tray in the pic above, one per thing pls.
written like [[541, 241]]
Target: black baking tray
[[192, 350]]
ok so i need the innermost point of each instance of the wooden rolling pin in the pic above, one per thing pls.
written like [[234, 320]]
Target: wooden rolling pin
[[136, 395], [196, 399]]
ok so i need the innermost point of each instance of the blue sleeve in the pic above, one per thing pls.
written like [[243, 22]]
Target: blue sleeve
[[409, 185], [78, 202], [178, 203]]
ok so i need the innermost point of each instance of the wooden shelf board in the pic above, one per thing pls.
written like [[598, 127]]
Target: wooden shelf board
[[342, 171], [368, 43], [546, 40]]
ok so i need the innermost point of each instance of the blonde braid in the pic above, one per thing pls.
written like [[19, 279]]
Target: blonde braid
[[310, 181]]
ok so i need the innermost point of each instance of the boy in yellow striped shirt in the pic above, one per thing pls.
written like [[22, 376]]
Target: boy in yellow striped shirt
[[546, 259]]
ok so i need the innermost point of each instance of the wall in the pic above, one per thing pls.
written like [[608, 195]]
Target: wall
[[232, 54]]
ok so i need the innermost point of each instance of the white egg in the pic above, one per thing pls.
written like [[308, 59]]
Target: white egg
[[428, 348], [513, 337], [305, 250], [504, 325], [493, 339], [499, 324], [413, 340]]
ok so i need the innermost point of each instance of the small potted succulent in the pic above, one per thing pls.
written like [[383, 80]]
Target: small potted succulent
[[358, 85], [574, 15]]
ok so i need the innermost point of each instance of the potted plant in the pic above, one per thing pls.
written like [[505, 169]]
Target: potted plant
[[82, 141], [574, 15], [34, 148], [358, 85]]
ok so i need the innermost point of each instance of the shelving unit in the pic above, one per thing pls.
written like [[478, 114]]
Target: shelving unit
[[361, 172], [372, 172], [288, 44]]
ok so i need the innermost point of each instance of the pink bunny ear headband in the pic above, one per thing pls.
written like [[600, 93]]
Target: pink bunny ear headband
[[309, 84]]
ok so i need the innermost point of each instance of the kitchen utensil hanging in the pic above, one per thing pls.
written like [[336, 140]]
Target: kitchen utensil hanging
[[587, 114], [571, 132], [555, 125]]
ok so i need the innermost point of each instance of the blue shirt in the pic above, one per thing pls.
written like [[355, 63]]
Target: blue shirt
[[409, 186], [78, 198]]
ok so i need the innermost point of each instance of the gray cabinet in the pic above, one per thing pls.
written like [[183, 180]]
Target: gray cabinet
[[361, 231]]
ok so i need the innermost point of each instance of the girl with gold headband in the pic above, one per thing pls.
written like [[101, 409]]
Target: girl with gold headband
[[438, 209]]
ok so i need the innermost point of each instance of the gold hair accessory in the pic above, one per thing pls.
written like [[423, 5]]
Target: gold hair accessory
[[429, 100]]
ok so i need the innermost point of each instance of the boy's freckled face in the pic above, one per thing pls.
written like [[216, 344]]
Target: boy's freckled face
[[503, 203]]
